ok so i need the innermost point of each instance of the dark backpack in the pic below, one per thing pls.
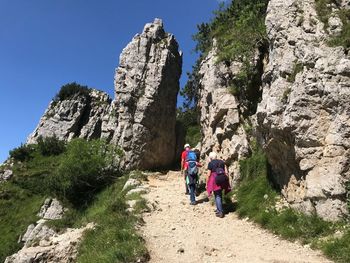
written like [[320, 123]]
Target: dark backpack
[[220, 177], [192, 173], [192, 169]]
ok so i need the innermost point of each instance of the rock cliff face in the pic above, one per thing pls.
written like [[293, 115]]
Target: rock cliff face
[[304, 116], [141, 119], [146, 87], [78, 116], [220, 119], [303, 119]]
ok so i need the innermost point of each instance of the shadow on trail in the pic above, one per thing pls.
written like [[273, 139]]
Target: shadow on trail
[[229, 205], [202, 200]]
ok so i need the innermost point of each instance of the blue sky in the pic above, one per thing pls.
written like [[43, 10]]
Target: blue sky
[[47, 43]]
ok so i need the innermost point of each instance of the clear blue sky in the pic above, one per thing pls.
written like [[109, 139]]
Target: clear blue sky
[[47, 43]]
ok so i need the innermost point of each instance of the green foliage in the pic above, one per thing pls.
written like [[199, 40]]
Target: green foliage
[[189, 120], [239, 29], [114, 239], [338, 249], [254, 166], [22, 153], [324, 12], [343, 39], [191, 90], [50, 145], [70, 90], [193, 135], [203, 38], [285, 95], [298, 67], [18, 208], [82, 170], [256, 200], [347, 187]]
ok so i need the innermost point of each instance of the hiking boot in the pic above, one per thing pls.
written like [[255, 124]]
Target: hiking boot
[[193, 203], [221, 215]]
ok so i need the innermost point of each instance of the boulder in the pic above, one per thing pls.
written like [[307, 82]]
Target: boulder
[[51, 209], [58, 248], [146, 88]]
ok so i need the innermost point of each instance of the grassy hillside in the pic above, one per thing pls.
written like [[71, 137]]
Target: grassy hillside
[[78, 177]]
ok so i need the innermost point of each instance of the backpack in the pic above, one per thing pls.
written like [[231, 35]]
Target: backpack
[[220, 177], [192, 169], [192, 172], [191, 156]]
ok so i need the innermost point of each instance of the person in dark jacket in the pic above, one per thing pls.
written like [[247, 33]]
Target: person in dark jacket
[[214, 166]]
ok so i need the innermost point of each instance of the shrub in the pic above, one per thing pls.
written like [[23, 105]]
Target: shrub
[[188, 118], [85, 168], [50, 146], [298, 67], [70, 90], [22, 153], [239, 29], [324, 12]]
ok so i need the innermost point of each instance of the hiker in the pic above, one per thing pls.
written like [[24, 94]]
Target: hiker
[[217, 180], [191, 174], [187, 148]]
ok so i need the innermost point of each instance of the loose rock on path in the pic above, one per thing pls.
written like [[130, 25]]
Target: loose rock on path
[[175, 231]]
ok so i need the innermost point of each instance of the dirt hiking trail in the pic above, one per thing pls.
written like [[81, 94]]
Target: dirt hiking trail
[[175, 231]]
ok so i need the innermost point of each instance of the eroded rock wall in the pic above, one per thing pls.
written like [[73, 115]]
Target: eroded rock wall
[[78, 116], [304, 117], [220, 115]]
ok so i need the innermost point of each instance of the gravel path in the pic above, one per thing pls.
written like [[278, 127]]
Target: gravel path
[[177, 232]]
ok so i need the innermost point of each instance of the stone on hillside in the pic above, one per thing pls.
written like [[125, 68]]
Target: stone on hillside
[[138, 190], [130, 183], [303, 119], [58, 248], [6, 175], [51, 209], [146, 87]]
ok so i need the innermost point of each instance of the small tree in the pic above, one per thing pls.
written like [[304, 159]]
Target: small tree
[[86, 167], [50, 145], [22, 153]]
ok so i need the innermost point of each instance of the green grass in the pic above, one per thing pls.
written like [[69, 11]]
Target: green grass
[[298, 67], [18, 209], [256, 200], [114, 239], [338, 249], [324, 12]]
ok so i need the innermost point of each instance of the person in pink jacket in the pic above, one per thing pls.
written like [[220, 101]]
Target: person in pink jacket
[[217, 181]]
